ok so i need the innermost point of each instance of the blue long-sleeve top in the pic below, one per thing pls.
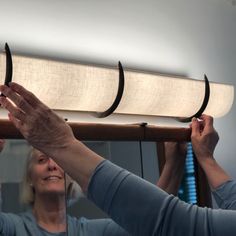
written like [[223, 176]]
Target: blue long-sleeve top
[[138, 206], [145, 210], [25, 224], [225, 195]]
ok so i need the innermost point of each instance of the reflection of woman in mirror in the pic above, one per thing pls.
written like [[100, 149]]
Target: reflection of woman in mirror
[[43, 189]]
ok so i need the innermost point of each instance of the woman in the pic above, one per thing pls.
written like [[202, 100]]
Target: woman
[[43, 189], [139, 207]]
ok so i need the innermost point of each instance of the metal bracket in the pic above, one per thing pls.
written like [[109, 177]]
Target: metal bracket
[[117, 100], [204, 103], [8, 76]]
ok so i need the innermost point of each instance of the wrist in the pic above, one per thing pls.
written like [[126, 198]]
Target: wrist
[[215, 174], [175, 168], [205, 159], [207, 162], [177, 164]]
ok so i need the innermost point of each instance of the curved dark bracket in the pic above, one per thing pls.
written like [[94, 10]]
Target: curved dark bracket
[[8, 76], [120, 91], [204, 104]]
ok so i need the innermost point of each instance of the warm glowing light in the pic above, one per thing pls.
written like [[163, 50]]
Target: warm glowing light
[[87, 88]]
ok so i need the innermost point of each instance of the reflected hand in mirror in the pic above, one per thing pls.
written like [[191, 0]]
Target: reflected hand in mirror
[[172, 173]]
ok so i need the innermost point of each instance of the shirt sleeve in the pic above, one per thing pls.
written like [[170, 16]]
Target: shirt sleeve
[[225, 195], [7, 223], [105, 227], [143, 209]]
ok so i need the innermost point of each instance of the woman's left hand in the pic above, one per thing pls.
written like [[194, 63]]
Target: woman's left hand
[[40, 126]]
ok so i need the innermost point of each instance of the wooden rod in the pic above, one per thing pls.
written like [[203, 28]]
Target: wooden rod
[[163, 134], [113, 132]]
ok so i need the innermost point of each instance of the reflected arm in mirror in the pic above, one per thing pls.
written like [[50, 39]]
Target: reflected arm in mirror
[[172, 173]]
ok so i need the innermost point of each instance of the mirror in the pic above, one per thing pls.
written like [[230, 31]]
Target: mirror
[[126, 154], [141, 158], [12, 164], [17, 198], [138, 157]]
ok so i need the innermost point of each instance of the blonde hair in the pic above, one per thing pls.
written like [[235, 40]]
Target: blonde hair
[[73, 192]]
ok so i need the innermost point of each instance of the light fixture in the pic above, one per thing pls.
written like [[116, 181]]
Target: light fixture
[[91, 90]]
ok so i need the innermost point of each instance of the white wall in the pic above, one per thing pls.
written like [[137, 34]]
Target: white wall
[[185, 37]]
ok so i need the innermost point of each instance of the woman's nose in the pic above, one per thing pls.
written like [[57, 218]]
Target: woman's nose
[[52, 164]]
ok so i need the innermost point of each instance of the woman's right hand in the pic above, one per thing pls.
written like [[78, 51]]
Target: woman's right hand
[[204, 137]]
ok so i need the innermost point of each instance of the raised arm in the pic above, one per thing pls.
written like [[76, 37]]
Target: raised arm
[[172, 173], [49, 133], [204, 139]]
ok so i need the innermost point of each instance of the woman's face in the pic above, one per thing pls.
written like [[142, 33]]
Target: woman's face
[[45, 175]]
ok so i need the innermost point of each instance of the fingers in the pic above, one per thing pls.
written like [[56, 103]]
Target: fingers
[[23, 98], [27, 95], [20, 97], [207, 123], [203, 125], [195, 127], [15, 121], [208, 120], [15, 111], [16, 98]]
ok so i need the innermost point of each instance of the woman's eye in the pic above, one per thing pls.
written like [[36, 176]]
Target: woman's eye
[[42, 160]]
